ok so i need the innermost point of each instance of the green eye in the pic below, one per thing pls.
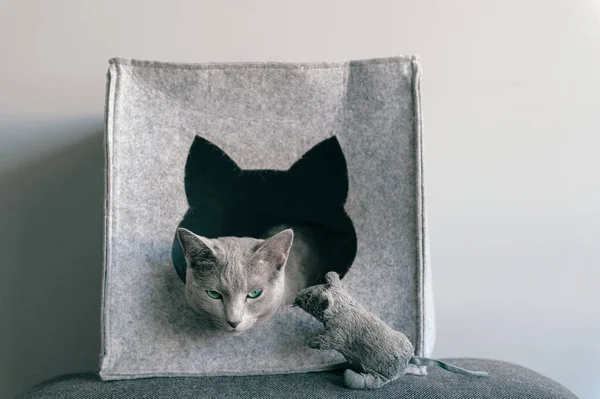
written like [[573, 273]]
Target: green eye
[[254, 294], [214, 294]]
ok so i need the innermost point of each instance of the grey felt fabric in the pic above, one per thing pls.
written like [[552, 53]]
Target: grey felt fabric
[[264, 116], [506, 381]]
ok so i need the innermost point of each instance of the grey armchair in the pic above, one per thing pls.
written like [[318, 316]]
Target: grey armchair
[[506, 381]]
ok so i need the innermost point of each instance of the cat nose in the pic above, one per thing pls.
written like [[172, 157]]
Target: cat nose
[[233, 324]]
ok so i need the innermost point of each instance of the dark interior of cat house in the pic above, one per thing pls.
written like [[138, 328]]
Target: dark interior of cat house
[[225, 200]]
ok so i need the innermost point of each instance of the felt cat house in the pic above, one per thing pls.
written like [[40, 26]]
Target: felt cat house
[[231, 149]]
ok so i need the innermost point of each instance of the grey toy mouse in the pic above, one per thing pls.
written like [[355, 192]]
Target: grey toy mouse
[[379, 353]]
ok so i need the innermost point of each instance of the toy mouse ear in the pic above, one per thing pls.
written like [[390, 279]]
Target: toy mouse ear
[[333, 279]]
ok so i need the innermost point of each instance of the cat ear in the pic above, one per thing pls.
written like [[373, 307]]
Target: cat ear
[[275, 250], [207, 168], [195, 246], [333, 279], [324, 168]]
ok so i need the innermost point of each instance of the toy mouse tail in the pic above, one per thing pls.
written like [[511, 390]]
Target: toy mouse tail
[[425, 361]]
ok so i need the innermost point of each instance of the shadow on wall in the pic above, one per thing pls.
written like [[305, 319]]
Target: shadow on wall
[[51, 202]]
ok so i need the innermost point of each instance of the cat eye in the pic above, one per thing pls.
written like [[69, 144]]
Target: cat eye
[[214, 294], [254, 294]]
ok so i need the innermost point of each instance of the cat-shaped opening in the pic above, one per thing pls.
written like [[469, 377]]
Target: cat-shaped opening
[[226, 202]]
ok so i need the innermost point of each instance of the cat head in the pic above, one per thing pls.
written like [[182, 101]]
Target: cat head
[[235, 282], [319, 300]]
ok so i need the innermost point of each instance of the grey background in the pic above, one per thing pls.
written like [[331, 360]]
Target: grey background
[[510, 106]]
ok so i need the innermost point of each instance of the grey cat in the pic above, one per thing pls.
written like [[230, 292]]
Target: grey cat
[[379, 353], [237, 282]]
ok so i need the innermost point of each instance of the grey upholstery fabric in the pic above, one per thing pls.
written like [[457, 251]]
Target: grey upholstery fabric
[[263, 116], [506, 381]]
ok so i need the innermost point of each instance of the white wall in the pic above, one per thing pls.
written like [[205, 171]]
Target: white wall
[[511, 107]]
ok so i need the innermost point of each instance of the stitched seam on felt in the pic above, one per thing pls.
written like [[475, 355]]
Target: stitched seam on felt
[[110, 218], [225, 373], [419, 186], [105, 219], [133, 63]]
